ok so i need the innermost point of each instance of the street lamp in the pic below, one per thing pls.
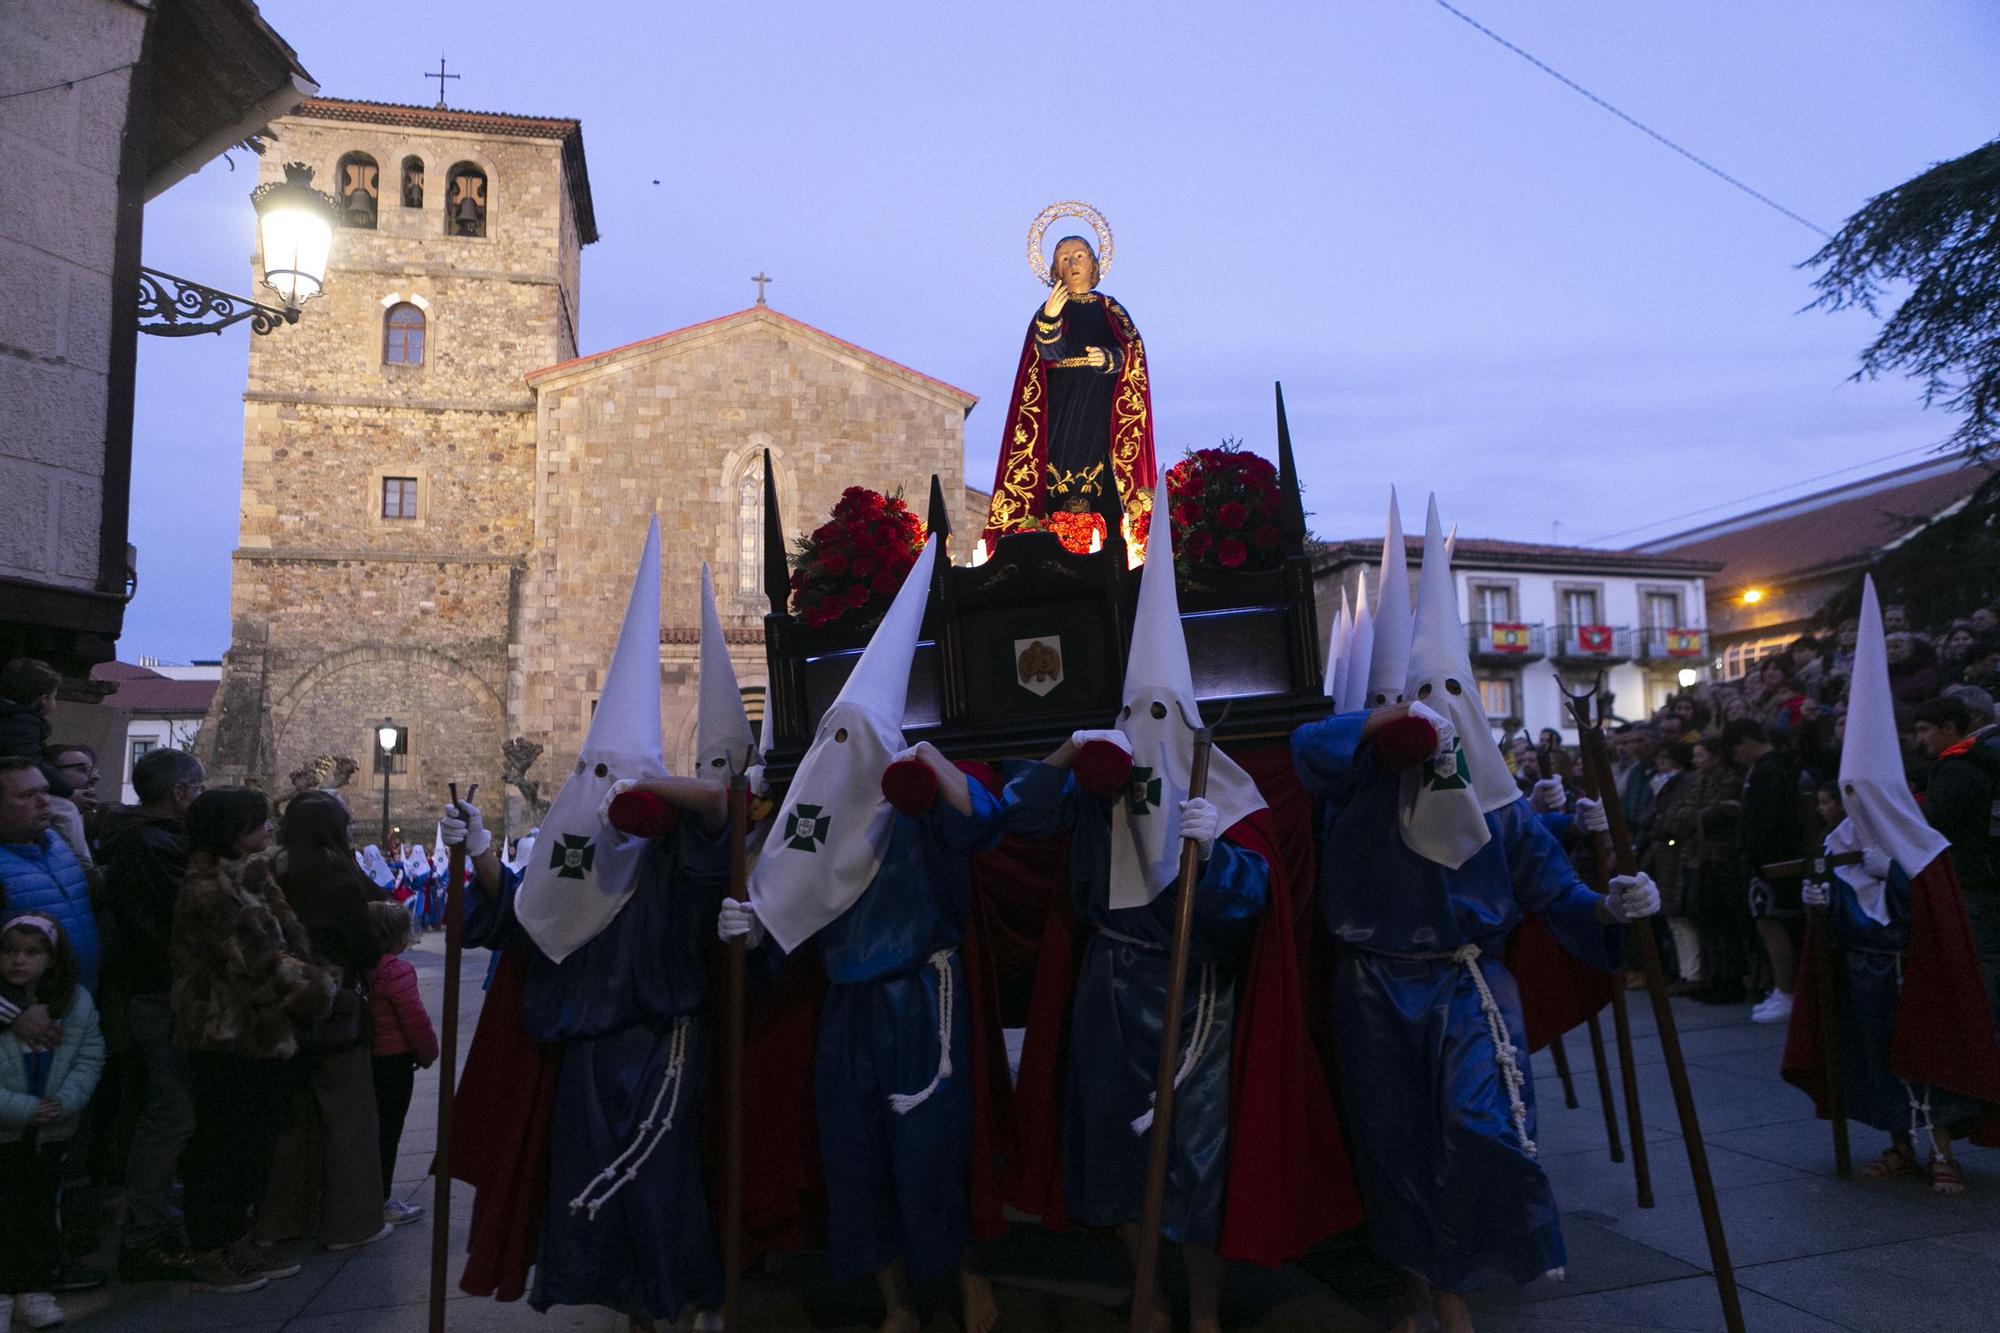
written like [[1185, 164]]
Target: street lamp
[[386, 737], [1687, 676], [295, 232]]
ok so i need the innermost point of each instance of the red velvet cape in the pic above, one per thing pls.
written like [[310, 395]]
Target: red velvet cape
[[1290, 1183], [1944, 1029], [1558, 990], [1022, 472]]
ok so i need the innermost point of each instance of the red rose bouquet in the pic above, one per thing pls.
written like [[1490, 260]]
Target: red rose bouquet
[[1225, 509], [851, 565]]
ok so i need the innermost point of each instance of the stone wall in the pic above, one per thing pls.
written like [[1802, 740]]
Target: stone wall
[[59, 158]]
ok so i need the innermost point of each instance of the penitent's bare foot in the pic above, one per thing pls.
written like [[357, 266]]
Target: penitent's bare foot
[[982, 1312], [1452, 1313], [902, 1321]]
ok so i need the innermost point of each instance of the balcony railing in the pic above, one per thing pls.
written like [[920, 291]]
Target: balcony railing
[[1600, 644], [1680, 647], [1496, 642]]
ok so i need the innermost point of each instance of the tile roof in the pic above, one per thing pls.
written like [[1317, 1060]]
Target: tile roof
[[1491, 553], [145, 692], [750, 314], [1827, 532]]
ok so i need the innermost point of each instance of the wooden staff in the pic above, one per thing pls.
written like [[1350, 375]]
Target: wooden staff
[[1604, 1096], [1826, 984], [1597, 766], [1628, 1070], [454, 922], [1170, 1042], [732, 1039], [1561, 1057]]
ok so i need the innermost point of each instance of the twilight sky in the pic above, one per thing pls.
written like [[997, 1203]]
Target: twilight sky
[[1468, 278]]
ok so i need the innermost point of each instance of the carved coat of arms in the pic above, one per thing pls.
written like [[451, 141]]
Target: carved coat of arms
[[1038, 664]]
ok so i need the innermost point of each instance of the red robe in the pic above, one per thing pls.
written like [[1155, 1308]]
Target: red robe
[[1290, 1183], [1944, 1029], [1022, 473]]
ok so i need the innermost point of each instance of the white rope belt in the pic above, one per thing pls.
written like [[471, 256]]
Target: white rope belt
[[1204, 1029], [905, 1102], [624, 1169], [1920, 1103]]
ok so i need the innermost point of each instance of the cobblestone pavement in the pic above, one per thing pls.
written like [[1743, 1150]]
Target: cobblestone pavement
[[1812, 1252]]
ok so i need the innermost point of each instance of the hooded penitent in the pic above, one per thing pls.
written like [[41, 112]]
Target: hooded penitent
[[416, 866], [1160, 705], [1336, 651], [723, 741], [1360, 646], [1445, 799], [1872, 786], [833, 829], [583, 869], [376, 866], [1389, 652]]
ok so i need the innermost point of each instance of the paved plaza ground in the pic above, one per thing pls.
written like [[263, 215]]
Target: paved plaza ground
[[1812, 1252]]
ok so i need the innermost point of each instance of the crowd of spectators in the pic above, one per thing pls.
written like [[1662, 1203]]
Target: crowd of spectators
[[190, 1042], [1719, 783]]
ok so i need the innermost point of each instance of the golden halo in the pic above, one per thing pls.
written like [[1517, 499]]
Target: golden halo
[[1068, 208]]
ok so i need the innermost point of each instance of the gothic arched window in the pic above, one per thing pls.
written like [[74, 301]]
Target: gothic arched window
[[749, 531], [403, 336], [465, 201], [413, 182], [358, 182]]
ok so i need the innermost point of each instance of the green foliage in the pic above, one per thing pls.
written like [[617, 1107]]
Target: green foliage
[[1938, 235]]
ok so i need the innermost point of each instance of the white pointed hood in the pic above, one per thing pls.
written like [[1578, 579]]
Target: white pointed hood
[[1336, 651], [1445, 800], [1389, 653], [376, 866], [415, 864], [1360, 646], [833, 828], [723, 741], [583, 869], [1159, 701], [1872, 785]]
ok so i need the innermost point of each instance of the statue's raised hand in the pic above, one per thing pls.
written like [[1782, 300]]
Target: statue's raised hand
[[1058, 298]]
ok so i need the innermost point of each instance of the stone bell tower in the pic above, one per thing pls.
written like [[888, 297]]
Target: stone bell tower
[[389, 451]]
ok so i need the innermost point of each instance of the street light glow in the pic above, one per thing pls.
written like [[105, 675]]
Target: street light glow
[[385, 736], [295, 224], [1687, 677], [1752, 596]]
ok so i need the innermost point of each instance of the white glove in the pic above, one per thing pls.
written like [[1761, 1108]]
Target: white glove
[[1591, 814], [1082, 738], [754, 777], [1876, 862], [618, 788], [462, 823], [1548, 797], [1632, 897], [1200, 822], [1442, 725], [1813, 893], [738, 920], [913, 752]]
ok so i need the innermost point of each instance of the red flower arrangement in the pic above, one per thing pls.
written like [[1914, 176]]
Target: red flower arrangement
[[851, 565], [1225, 509]]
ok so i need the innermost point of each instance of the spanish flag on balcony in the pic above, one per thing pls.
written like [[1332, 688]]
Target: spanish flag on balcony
[[1508, 638], [1683, 643], [1594, 639]]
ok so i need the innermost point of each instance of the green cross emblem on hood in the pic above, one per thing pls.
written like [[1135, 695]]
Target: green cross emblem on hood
[[1143, 795], [1448, 772], [572, 856], [808, 828]]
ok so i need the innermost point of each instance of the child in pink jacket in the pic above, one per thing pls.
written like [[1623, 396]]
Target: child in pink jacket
[[403, 1041]]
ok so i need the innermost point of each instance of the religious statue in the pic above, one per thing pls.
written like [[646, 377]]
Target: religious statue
[[1077, 453]]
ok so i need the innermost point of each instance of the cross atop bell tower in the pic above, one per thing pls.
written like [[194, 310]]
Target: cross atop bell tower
[[441, 76]]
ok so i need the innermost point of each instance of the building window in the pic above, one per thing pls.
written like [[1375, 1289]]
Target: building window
[[399, 497], [358, 182], [1500, 697], [1493, 602], [1579, 606], [1662, 610], [141, 745], [1738, 659], [403, 336], [413, 182], [749, 530], [465, 201]]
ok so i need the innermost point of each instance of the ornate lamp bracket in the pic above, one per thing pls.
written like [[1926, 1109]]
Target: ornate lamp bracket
[[178, 308]]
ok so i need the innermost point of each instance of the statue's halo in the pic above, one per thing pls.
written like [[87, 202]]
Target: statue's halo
[[1068, 208]]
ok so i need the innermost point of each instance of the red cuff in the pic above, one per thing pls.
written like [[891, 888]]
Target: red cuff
[[910, 786], [1405, 742], [643, 814], [1101, 768]]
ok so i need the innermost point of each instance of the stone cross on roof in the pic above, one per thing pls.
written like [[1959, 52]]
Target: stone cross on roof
[[441, 76], [760, 280]]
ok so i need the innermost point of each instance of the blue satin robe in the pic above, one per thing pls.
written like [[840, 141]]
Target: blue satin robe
[[1451, 1194], [896, 1182], [1872, 957], [1119, 1010], [614, 1006]]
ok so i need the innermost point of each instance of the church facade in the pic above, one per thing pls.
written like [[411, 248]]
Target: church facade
[[442, 501]]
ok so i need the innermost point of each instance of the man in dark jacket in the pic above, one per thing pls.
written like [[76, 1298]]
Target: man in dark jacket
[[1770, 829], [1962, 801], [144, 861], [27, 695]]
